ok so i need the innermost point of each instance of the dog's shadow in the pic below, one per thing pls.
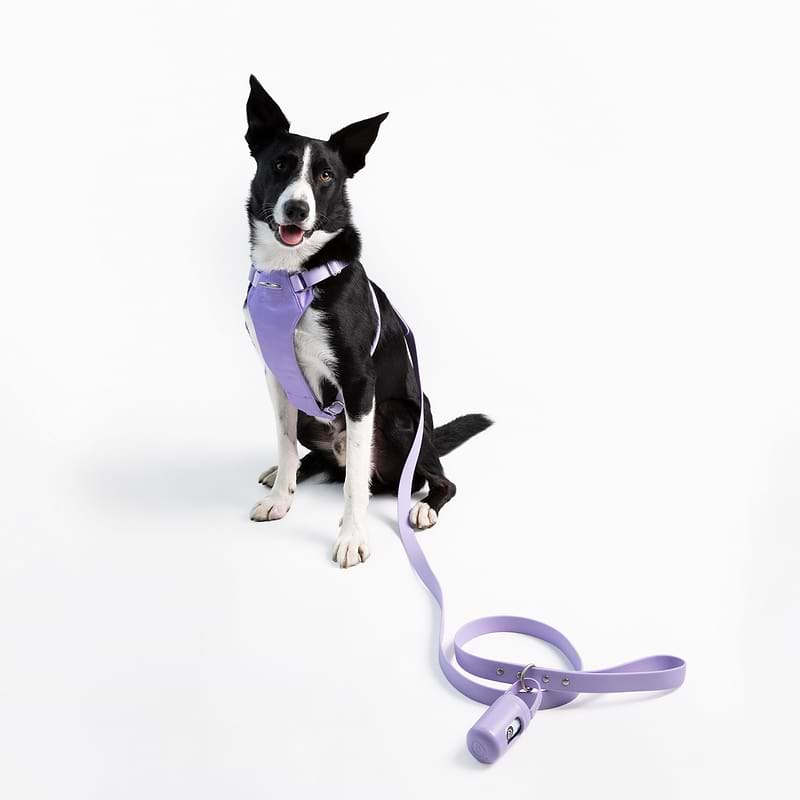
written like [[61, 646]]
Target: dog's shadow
[[198, 485], [171, 483]]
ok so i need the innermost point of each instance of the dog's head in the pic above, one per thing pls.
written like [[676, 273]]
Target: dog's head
[[297, 198]]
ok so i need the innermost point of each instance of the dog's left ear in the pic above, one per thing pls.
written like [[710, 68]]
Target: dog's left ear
[[264, 117], [354, 141]]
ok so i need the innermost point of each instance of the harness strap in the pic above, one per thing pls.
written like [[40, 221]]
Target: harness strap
[[534, 686], [303, 281], [377, 336], [311, 277]]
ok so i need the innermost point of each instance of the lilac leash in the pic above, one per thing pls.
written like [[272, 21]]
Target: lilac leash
[[274, 305], [511, 711]]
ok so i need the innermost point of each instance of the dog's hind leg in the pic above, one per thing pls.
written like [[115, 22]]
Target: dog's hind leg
[[277, 504], [311, 465], [267, 477], [441, 490], [396, 422]]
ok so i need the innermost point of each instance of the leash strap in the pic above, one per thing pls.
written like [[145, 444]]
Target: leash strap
[[532, 687]]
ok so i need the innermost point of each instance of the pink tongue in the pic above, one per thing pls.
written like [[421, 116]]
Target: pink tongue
[[291, 234]]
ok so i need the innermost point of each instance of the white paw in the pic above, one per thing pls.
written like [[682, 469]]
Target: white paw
[[276, 506], [267, 477], [351, 547], [422, 516]]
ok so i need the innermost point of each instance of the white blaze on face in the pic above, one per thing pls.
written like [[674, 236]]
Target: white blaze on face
[[299, 189]]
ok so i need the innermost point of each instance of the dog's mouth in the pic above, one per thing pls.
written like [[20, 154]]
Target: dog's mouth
[[290, 235]]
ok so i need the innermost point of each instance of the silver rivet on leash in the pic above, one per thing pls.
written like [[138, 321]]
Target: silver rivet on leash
[[545, 679], [500, 671], [565, 681]]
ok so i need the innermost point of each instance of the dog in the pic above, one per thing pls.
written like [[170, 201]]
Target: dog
[[300, 217]]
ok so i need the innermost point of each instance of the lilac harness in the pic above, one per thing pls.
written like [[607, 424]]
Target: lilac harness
[[275, 303]]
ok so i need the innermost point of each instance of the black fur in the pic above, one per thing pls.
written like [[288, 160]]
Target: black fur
[[386, 376], [450, 435]]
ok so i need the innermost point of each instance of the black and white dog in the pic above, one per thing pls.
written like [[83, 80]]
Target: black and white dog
[[300, 218]]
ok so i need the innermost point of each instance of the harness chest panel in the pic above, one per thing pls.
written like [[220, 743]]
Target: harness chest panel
[[275, 307]]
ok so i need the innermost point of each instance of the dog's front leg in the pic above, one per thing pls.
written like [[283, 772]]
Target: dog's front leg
[[352, 545], [277, 504]]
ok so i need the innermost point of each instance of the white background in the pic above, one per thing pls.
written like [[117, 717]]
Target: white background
[[588, 212]]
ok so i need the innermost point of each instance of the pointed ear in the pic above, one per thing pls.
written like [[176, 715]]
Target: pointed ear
[[264, 117], [354, 141]]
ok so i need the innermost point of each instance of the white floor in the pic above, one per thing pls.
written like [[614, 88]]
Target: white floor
[[589, 216]]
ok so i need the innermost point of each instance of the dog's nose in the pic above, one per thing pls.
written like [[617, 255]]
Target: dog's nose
[[295, 211]]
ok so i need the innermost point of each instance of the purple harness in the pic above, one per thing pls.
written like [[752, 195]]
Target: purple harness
[[275, 303]]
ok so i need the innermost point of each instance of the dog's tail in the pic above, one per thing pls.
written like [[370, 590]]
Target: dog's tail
[[449, 436]]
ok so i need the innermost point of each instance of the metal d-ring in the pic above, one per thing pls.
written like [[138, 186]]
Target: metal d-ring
[[523, 688]]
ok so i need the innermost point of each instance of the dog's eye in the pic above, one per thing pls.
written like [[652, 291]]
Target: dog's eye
[[326, 176], [279, 165]]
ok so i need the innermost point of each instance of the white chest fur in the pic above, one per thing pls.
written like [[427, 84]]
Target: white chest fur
[[313, 350]]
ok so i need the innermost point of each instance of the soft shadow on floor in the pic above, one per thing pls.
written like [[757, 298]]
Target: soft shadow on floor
[[191, 483], [177, 481], [614, 698], [464, 759]]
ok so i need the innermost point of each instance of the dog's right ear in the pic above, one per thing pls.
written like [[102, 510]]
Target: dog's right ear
[[264, 118]]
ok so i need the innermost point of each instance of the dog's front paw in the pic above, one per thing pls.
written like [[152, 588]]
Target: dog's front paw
[[276, 506], [267, 477], [351, 547], [422, 516]]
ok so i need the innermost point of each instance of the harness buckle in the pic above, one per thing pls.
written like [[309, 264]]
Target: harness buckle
[[298, 278]]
